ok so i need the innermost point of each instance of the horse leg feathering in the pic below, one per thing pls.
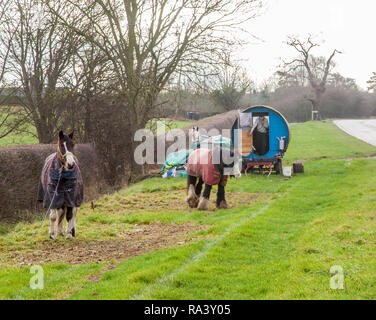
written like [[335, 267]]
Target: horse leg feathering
[[204, 202], [70, 225], [53, 217], [192, 198], [75, 210], [60, 221], [221, 201]]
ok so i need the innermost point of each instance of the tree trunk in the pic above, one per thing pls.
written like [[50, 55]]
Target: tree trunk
[[316, 102], [44, 134], [88, 122]]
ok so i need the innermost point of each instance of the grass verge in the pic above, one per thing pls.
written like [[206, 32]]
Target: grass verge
[[278, 241]]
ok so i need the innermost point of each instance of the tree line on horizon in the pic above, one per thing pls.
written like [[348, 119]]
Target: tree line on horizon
[[306, 83]]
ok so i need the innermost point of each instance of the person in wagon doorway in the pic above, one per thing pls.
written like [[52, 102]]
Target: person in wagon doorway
[[260, 143]]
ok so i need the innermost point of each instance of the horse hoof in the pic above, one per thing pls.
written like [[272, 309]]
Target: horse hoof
[[204, 204], [192, 198], [193, 202], [52, 237], [68, 236], [222, 205]]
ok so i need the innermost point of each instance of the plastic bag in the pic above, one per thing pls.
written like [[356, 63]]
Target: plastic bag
[[210, 142]]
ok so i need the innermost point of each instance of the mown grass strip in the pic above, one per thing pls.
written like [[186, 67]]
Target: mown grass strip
[[197, 257], [162, 274]]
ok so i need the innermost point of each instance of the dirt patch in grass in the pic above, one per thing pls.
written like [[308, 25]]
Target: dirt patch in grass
[[174, 200], [372, 156], [112, 240], [141, 239]]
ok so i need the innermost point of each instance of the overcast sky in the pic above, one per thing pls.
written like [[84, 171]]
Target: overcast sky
[[346, 25]]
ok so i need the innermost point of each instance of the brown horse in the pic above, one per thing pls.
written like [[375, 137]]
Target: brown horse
[[208, 166], [61, 187]]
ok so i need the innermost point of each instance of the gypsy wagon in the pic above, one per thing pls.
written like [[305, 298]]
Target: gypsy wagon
[[277, 138]]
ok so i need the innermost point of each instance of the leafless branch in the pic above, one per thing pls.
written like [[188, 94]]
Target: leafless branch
[[317, 69]]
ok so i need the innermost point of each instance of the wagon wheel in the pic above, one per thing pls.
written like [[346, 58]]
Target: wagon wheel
[[278, 166]]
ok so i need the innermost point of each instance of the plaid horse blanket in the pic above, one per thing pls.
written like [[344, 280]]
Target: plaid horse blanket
[[200, 164], [70, 191]]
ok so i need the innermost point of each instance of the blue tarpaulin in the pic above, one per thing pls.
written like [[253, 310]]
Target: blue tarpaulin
[[176, 159]]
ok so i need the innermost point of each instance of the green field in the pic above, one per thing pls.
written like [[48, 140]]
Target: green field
[[169, 125], [26, 136], [279, 239], [29, 137]]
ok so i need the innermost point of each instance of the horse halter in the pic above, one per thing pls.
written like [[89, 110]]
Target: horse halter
[[67, 155]]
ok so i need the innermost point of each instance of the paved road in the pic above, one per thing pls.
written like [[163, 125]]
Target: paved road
[[362, 129]]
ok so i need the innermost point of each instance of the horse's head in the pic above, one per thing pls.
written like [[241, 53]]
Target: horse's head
[[65, 149], [195, 134]]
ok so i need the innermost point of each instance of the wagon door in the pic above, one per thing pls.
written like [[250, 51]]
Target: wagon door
[[261, 139], [245, 125]]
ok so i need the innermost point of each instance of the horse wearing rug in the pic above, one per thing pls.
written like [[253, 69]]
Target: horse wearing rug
[[61, 187], [208, 166]]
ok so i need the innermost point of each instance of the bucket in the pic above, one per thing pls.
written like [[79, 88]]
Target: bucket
[[287, 171]]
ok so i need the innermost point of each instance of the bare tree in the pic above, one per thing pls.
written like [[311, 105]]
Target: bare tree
[[90, 78], [39, 56], [12, 120], [292, 77], [316, 68], [229, 84], [146, 41], [9, 116], [4, 50], [339, 81]]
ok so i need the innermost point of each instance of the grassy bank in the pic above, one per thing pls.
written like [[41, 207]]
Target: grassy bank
[[322, 140], [278, 240]]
